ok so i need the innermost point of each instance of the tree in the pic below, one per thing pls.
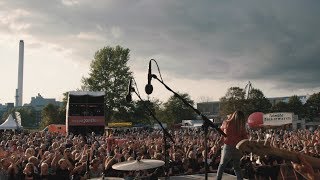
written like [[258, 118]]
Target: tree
[[28, 116], [63, 108], [109, 73], [257, 102], [312, 107], [5, 115], [51, 114], [141, 114], [280, 107], [295, 105], [233, 100], [175, 110]]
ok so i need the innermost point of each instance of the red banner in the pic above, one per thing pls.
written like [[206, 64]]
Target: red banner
[[86, 121]]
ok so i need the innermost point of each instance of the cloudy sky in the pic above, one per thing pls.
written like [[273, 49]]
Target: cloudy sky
[[202, 47]]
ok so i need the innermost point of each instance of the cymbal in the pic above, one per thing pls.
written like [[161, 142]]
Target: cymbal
[[136, 165]]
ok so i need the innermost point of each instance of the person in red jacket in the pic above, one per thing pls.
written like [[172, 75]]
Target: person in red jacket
[[235, 129]]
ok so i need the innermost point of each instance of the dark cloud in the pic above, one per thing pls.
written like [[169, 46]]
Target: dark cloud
[[274, 40]]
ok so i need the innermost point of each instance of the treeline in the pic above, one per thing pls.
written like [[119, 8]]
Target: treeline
[[235, 99], [109, 72]]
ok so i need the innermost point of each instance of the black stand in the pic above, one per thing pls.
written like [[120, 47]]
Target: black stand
[[206, 123], [165, 135]]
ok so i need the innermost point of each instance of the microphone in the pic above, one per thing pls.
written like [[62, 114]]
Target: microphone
[[149, 87], [129, 97]]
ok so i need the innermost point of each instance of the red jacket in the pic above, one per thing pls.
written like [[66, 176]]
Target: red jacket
[[232, 136]]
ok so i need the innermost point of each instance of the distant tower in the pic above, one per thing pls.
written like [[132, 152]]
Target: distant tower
[[20, 75], [247, 90]]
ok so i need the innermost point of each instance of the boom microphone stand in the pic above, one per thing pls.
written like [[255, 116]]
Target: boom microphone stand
[[165, 135], [206, 123]]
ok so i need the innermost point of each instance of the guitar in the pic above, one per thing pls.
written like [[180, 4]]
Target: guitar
[[259, 148]]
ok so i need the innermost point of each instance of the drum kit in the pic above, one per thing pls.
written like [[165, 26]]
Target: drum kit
[[136, 165]]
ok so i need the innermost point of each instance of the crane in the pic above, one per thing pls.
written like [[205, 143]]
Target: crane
[[247, 90]]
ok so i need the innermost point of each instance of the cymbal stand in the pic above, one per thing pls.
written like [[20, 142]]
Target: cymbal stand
[[165, 135], [206, 123]]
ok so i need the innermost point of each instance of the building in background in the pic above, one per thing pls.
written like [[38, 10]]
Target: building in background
[[210, 109], [39, 102], [275, 100]]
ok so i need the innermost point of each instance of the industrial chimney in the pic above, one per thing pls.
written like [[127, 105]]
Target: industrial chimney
[[20, 75]]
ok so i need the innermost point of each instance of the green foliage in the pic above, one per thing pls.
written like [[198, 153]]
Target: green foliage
[[295, 105], [28, 116], [5, 115], [109, 73], [257, 102], [52, 114], [280, 107], [175, 110], [312, 107], [233, 100], [142, 115]]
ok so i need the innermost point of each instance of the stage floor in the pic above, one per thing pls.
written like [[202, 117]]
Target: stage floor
[[211, 176], [201, 176]]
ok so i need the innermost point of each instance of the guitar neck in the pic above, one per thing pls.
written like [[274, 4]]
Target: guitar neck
[[260, 149]]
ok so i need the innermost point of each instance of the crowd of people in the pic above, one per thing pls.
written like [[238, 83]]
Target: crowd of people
[[43, 155]]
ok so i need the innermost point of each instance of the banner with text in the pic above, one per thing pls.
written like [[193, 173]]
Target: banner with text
[[120, 124], [86, 121], [277, 119]]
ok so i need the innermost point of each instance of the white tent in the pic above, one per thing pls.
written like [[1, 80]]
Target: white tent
[[10, 123]]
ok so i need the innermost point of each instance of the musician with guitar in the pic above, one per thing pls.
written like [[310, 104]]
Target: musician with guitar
[[305, 169], [234, 128], [302, 163]]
